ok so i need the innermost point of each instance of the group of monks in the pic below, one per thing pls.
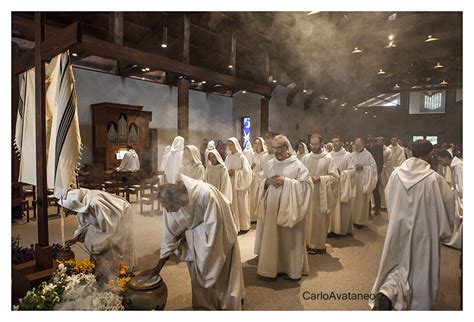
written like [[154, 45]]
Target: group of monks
[[297, 199]]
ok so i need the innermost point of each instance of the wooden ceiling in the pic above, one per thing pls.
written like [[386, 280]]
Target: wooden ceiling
[[301, 51]]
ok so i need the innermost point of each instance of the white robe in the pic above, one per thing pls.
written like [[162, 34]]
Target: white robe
[[193, 168], [130, 162], [204, 235], [264, 162], [386, 172], [365, 182], [174, 160], [341, 217], [106, 220], [164, 160], [283, 211], [322, 199], [421, 209], [240, 181], [257, 173], [398, 155], [218, 176], [457, 187]]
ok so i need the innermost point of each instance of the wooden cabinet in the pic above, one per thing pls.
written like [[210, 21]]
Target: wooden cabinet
[[116, 125]]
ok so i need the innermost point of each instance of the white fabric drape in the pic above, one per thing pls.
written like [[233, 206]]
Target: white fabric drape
[[63, 139]]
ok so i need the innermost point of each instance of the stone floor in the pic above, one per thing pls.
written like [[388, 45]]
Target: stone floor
[[350, 265]]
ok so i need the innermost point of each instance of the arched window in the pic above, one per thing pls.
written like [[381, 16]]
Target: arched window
[[133, 133], [122, 128], [112, 132]]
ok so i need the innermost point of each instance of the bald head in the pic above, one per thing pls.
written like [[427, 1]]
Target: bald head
[[359, 145]]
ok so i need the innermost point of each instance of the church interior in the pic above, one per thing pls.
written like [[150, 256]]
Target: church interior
[[90, 90]]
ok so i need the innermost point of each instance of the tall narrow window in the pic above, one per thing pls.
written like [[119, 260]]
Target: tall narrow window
[[246, 131]]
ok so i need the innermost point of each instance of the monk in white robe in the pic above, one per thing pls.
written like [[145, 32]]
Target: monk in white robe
[[130, 161], [199, 229], [420, 205], [363, 163], [192, 166], [386, 170], [264, 162], [216, 174], [240, 174], [164, 159], [324, 174], [398, 153], [174, 160], [105, 225], [259, 150], [284, 203], [341, 217], [456, 166], [302, 150]]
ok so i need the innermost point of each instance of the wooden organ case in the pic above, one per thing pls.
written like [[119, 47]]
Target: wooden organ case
[[116, 125]]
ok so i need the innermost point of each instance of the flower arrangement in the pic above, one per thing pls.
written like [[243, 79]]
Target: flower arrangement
[[84, 266], [72, 287]]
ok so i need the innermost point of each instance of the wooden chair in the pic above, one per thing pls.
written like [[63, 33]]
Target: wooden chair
[[19, 201], [149, 198], [30, 192]]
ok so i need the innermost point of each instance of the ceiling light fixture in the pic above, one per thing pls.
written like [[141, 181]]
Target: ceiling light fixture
[[396, 86], [230, 66], [143, 69], [375, 115], [164, 41], [243, 92], [74, 54], [444, 82], [390, 37], [381, 72], [438, 65], [203, 82], [356, 109], [366, 112], [192, 80], [274, 81], [431, 38], [356, 50]]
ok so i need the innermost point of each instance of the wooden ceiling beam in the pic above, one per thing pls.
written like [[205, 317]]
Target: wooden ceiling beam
[[62, 40]]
